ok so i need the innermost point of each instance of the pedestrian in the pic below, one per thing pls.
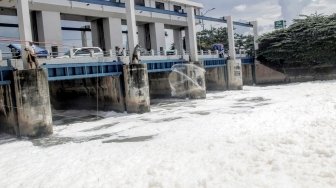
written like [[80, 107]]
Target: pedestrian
[[31, 56]]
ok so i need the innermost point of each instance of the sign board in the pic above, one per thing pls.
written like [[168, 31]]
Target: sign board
[[280, 24]]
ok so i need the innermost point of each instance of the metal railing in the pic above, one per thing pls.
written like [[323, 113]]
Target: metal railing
[[82, 70], [162, 65]]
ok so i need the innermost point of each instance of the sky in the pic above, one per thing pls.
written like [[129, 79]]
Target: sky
[[267, 11], [264, 11]]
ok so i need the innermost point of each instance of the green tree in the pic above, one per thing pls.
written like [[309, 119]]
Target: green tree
[[309, 40]]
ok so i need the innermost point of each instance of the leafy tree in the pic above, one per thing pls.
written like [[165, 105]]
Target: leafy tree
[[309, 40], [207, 38]]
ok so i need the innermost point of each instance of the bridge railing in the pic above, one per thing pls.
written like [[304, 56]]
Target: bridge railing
[[82, 70], [162, 65], [214, 62]]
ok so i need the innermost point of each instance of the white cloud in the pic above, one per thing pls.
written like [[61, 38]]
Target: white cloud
[[240, 7]]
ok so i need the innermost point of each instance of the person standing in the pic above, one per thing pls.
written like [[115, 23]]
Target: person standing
[[31, 56]]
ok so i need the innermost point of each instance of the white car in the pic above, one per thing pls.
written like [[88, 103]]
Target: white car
[[84, 52]]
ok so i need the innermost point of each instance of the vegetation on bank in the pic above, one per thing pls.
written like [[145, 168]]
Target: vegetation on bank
[[310, 40]]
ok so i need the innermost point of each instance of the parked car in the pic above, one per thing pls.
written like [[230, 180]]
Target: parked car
[[16, 51], [84, 52]]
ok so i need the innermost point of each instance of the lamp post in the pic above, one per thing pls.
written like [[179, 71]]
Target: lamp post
[[203, 14]]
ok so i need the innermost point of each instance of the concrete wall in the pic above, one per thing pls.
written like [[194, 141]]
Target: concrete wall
[[267, 75], [83, 94], [159, 86], [8, 115], [216, 79], [247, 71]]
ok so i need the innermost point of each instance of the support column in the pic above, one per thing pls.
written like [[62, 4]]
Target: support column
[[256, 47], [235, 77], [84, 35], [157, 36], [33, 103], [255, 34], [142, 36], [25, 29], [131, 26], [23, 15], [178, 42], [112, 33], [49, 30], [95, 33], [192, 38], [136, 88]]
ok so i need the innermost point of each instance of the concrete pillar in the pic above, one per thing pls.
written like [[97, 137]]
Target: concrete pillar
[[142, 36], [255, 34], [136, 88], [192, 34], [131, 26], [49, 29], [84, 36], [112, 33], [23, 15], [25, 29], [95, 33], [178, 42], [235, 77], [84, 39], [33, 103], [1, 56], [157, 36], [230, 30], [186, 38]]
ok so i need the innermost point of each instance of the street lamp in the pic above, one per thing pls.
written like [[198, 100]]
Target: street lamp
[[203, 14]]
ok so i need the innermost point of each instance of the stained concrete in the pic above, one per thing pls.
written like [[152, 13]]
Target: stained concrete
[[235, 79], [84, 93], [216, 79], [159, 86], [8, 115], [136, 88], [33, 102]]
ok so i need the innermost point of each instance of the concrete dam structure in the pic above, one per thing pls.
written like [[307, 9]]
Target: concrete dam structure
[[112, 81]]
